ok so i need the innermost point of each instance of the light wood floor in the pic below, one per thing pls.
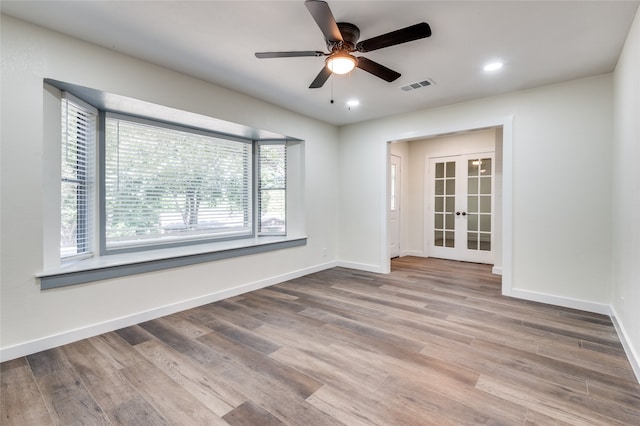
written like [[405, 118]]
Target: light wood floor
[[431, 343]]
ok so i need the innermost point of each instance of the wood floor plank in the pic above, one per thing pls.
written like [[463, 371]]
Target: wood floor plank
[[68, 400], [186, 326], [245, 337], [563, 406], [21, 402], [432, 343], [136, 411], [168, 398], [105, 383], [116, 350], [193, 348], [378, 407], [47, 362], [244, 357], [133, 335], [198, 381], [338, 405], [282, 403], [363, 329], [606, 363], [250, 414], [212, 313], [462, 403]]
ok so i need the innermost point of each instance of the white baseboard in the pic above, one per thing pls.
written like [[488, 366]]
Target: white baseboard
[[49, 342], [598, 308], [416, 253], [496, 270], [632, 355], [361, 266]]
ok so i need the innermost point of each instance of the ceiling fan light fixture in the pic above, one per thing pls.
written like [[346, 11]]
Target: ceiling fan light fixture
[[341, 63]]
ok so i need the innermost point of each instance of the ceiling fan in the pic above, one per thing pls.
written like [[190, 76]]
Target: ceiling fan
[[342, 40]]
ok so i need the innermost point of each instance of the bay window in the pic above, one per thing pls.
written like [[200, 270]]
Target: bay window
[[174, 187]]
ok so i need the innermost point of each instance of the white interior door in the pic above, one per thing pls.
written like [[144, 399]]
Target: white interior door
[[394, 206], [461, 208]]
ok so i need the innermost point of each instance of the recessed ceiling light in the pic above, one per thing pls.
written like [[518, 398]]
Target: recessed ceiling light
[[353, 103], [493, 66]]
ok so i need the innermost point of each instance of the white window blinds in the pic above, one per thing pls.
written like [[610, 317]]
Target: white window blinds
[[77, 177], [167, 185], [272, 182]]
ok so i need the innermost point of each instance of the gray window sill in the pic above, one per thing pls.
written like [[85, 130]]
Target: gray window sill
[[114, 266]]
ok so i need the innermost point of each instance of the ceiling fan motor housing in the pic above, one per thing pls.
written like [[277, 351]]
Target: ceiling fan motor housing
[[350, 35]]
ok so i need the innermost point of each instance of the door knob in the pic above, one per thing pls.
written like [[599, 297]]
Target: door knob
[[459, 213]]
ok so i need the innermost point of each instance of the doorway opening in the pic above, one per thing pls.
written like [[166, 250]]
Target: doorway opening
[[481, 228]]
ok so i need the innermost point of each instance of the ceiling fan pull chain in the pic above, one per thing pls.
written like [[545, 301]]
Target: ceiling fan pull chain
[[332, 89]]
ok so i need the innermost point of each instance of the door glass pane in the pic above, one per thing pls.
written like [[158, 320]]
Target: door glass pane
[[485, 242], [451, 169], [472, 222], [485, 185], [485, 169], [472, 168], [472, 204], [451, 186], [472, 241], [439, 221], [439, 187], [449, 221], [438, 238], [449, 239], [439, 170], [450, 204], [439, 205], [473, 186], [485, 223], [485, 204]]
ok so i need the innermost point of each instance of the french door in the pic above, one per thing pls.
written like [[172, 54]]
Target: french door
[[461, 207]]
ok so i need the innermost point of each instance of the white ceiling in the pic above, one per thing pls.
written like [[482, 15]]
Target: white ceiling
[[540, 42]]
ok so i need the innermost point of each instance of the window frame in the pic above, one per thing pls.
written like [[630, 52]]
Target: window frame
[[253, 211]]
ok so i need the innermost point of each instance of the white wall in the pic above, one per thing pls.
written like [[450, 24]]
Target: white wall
[[561, 162], [626, 193], [34, 319]]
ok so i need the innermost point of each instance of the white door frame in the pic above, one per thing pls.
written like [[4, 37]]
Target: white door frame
[[504, 259]]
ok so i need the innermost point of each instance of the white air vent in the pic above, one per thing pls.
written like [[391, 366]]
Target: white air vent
[[418, 85]]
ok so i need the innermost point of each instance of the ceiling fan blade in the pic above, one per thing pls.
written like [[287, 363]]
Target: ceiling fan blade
[[403, 35], [293, 54], [377, 69], [321, 13], [321, 78]]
